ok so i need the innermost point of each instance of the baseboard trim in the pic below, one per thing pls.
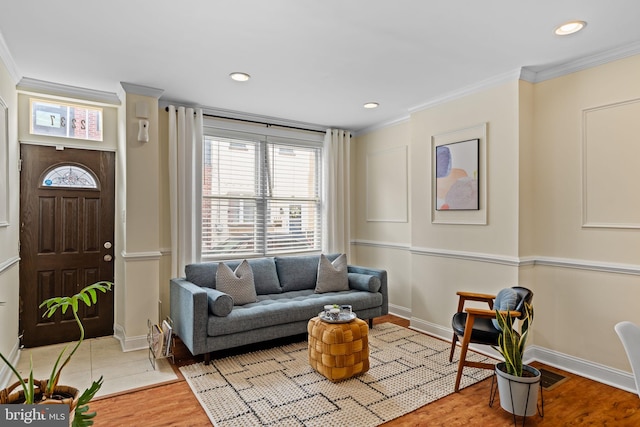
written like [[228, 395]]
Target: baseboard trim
[[585, 368], [6, 375], [400, 311], [130, 343]]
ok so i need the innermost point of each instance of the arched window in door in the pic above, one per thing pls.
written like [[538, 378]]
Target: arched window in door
[[70, 176]]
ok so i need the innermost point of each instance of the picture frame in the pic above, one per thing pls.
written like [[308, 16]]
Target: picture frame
[[475, 217], [457, 175]]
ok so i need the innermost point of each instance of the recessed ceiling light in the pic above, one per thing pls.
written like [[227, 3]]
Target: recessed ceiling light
[[240, 77], [570, 28], [371, 105]]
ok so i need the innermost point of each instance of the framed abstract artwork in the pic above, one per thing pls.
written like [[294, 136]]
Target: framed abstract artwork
[[457, 175], [458, 160]]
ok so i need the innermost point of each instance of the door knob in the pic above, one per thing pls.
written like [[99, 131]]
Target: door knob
[[108, 258], [107, 245]]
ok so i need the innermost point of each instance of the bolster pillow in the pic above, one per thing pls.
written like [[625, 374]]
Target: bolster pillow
[[364, 282], [220, 304]]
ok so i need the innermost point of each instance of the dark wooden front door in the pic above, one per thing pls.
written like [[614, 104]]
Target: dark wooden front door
[[66, 239]]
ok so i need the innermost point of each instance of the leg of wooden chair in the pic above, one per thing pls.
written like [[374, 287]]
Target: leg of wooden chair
[[454, 340], [468, 328]]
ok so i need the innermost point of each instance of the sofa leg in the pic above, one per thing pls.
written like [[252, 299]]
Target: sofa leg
[[371, 323], [207, 358]]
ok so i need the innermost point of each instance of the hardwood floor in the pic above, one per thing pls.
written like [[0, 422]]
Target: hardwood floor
[[576, 402]]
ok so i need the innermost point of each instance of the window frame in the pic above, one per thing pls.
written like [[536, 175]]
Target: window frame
[[263, 136]]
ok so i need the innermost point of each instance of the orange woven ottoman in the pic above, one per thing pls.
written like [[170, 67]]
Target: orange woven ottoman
[[338, 350]]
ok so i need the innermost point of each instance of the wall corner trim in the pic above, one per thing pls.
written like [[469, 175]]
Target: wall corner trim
[[141, 256], [130, 343]]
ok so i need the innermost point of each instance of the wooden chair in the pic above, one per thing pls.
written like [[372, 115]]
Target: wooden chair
[[474, 325]]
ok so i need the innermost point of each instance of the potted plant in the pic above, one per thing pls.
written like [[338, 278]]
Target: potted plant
[[49, 391], [518, 384]]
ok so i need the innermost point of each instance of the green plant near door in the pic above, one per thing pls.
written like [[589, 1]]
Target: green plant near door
[[88, 295]]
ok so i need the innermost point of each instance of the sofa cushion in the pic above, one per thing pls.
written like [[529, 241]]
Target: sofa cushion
[[299, 272], [287, 307], [364, 282], [238, 283], [332, 276], [265, 276], [220, 304], [202, 274]]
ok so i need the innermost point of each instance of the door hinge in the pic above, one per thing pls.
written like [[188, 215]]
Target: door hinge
[[19, 165]]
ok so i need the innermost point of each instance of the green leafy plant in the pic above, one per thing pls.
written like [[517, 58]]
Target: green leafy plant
[[88, 295], [511, 342], [83, 418]]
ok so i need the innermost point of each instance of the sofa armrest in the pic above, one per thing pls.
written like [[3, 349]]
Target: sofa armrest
[[381, 275], [189, 312]]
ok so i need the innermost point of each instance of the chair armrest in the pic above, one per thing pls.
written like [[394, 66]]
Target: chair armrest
[[473, 296], [490, 314]]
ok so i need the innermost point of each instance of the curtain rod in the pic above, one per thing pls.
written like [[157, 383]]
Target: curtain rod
[[257, 122]]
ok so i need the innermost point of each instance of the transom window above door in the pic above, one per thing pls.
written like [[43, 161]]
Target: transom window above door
[[69, 176]]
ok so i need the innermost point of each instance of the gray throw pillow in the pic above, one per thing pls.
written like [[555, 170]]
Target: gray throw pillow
[[265, 277], [332, 276], [507, 299], [299, 272], [238, 283], [220, 304]]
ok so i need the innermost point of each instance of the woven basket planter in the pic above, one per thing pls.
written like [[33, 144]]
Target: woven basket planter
[[62, 395], [338, 350]]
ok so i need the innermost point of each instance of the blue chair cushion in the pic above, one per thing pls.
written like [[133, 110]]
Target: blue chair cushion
[[507, 299]]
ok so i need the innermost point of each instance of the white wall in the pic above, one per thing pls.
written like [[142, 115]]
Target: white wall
[[578, 307], [382, 239], [9, 234], [585, 279]]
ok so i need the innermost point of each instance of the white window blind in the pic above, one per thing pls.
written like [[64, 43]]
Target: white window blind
[[260, 196]]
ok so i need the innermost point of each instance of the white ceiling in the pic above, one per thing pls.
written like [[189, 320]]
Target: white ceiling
[[311, 61]]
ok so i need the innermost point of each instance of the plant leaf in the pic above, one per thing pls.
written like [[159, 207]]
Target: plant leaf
[[83, 418]]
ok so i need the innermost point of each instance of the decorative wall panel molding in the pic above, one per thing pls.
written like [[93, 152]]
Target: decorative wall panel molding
[[387, 186], [610, 153]]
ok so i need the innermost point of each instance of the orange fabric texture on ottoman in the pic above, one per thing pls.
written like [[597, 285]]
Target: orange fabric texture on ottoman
[[338, 350]]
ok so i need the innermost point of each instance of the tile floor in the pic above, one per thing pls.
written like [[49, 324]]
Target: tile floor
[[98, 356]]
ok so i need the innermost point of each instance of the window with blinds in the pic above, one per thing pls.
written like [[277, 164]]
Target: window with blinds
[[260, 196]]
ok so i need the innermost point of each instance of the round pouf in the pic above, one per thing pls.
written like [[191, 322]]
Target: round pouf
[[338, 350]]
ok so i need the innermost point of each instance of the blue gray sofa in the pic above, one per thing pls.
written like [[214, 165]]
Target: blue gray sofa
[[286, 300]]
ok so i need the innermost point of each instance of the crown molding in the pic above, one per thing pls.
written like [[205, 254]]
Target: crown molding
[[135, 89], [28, 84], [383, 125], [8, 61], [509, 76], [586, 62]]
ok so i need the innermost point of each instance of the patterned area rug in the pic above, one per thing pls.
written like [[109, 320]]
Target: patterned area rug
[[278, 387]]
